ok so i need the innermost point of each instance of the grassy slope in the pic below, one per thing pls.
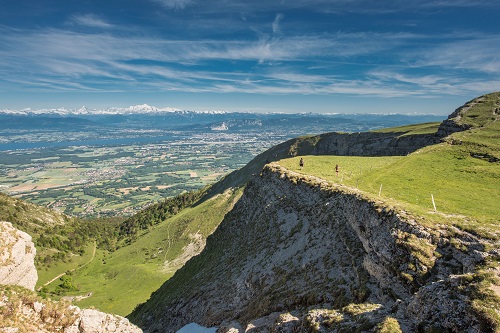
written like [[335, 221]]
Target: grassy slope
[[46, 273], [459, 173], [30, 218], [463, 186], [122, 279]]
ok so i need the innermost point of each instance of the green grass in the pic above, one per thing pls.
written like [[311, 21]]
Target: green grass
[[466, 189], [45, 274], [389, 325], [122, 279]]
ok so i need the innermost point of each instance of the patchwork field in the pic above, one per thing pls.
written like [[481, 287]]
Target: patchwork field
[[103, 181]]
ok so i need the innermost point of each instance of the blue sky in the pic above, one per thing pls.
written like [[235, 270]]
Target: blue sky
[[350, 56]]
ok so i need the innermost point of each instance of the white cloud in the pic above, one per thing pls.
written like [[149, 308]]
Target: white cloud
[[459, 3], [478, 54], [422, 80], [90, 20], [60, 60], [175, 4], [276, 23]]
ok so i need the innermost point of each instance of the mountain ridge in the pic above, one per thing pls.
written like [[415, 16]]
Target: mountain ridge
[[378, 252], [332, 259]]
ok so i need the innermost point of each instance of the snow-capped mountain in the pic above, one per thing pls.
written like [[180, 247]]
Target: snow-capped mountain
[[133, 109], [143, 108]]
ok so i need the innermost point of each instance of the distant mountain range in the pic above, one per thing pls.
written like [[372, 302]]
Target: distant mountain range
[[143, 108], [147, 109]]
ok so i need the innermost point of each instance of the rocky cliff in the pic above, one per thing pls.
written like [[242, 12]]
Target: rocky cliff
[[299, 254], [371, 143], [21, 310], [17, 257], [24, 311]]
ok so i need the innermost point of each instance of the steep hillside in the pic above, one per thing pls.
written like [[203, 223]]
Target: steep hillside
[[121, 279], [300, 253], [101, 262], [295, 243], [29, 217]]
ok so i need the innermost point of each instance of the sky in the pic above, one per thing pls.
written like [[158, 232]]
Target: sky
[[331, 56]]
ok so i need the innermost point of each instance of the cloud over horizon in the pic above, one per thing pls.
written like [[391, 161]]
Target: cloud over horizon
[[314, 47]]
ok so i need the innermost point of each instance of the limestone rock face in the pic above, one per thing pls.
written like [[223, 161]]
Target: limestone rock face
[[24, 311], [299, 254], [17, 257], [93, 321], [371, 143]]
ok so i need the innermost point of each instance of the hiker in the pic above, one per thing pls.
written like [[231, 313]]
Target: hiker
[[301, 163], [337, 168]]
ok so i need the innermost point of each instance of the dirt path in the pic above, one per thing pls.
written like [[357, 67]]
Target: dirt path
[[72, 270], [88, 262]]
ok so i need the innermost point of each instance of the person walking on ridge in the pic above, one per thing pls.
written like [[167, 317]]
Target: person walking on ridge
[[301, 163]]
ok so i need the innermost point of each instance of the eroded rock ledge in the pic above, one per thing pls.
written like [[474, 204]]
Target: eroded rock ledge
[[17, 257], [296, 246]]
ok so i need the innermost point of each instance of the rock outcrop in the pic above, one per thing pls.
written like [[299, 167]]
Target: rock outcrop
[[298, 254], [93, 321], [17, 257], [372, 144], [21, 310], [454, 122]]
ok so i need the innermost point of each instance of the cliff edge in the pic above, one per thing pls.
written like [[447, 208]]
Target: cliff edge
[[322, 255]]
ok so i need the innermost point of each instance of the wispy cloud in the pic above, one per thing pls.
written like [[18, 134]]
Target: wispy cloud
[[480, 53], [458, 3], [174, 4], [300, 64], [89, 20], [421, 80], [276, 23]]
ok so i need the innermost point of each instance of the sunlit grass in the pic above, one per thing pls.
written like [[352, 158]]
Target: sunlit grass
[[466, 190], [45, 274]]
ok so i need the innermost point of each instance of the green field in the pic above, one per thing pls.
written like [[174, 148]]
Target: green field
[[463, 187], [48, 273], [461, 174], [122, 279]]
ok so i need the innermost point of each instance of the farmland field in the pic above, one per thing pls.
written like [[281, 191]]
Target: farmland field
[[101, 181]]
